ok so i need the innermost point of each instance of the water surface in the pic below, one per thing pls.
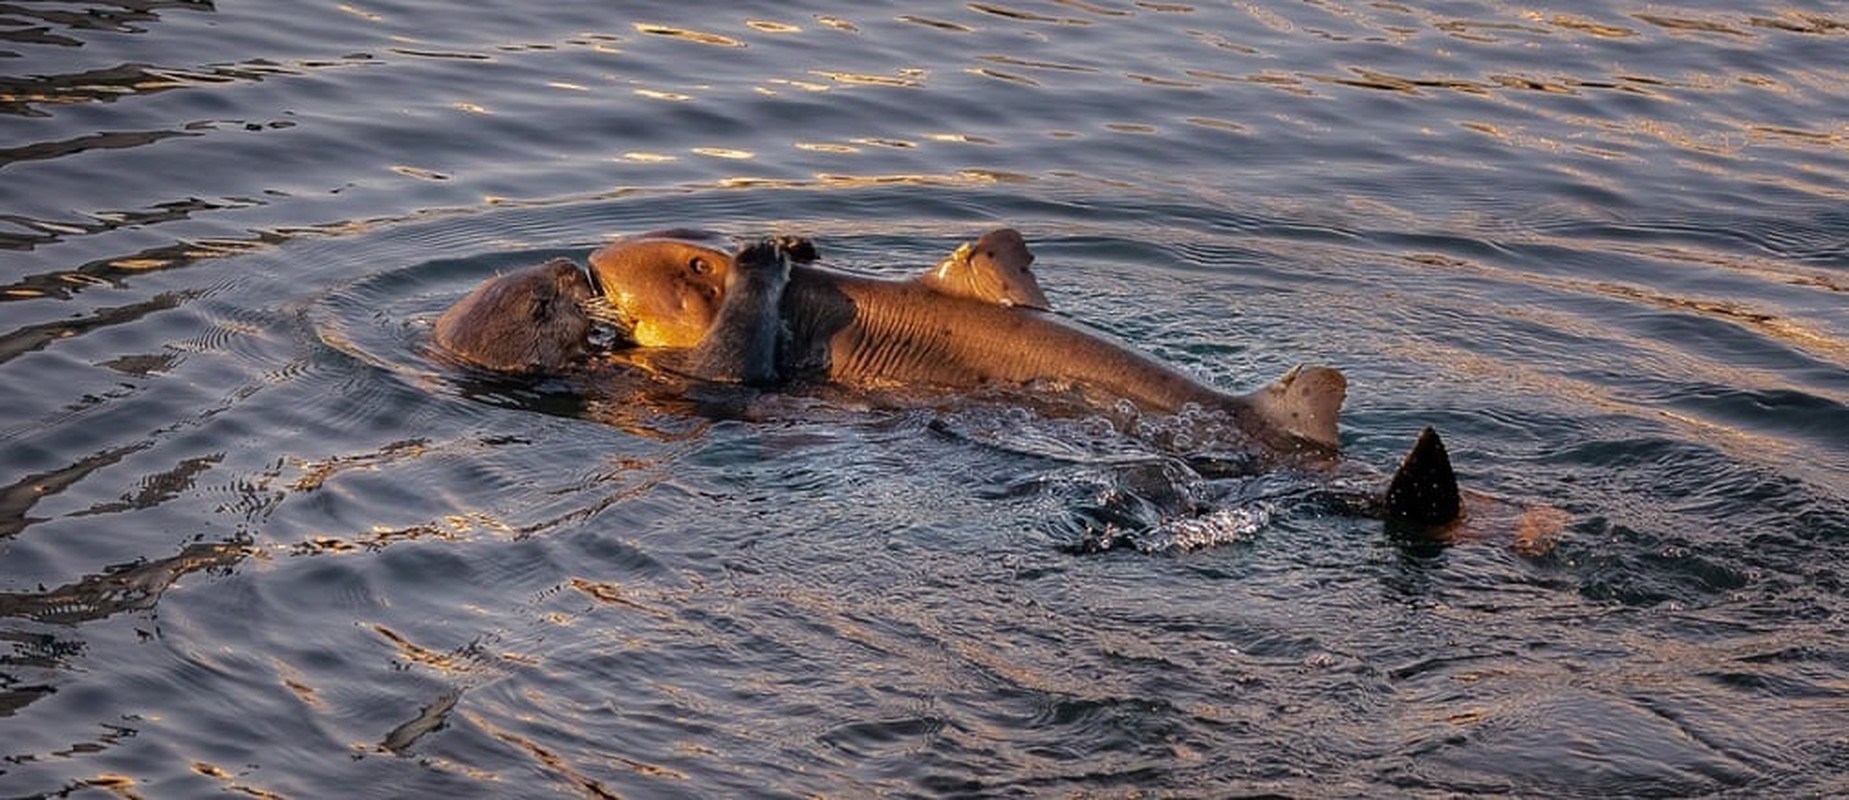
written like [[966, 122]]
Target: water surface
[[253, 540]]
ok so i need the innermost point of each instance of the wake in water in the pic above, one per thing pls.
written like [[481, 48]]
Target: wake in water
[[1158, 483]]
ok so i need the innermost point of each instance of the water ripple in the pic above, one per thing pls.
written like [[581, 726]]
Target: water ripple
[[1601, 248]]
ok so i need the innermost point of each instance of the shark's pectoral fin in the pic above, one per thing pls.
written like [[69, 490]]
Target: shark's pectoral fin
[[1424, 489], [1304, 405]]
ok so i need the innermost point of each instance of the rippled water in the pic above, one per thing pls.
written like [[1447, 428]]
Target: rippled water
[[253, 541]]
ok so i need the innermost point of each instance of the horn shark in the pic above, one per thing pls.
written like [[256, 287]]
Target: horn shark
[[767, 315]]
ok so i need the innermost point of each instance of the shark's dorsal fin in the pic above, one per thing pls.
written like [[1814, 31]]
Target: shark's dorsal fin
[[1306, 404], [1424, 489], [995, 268]]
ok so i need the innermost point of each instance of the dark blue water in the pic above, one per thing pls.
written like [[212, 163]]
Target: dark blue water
[[253, 541]]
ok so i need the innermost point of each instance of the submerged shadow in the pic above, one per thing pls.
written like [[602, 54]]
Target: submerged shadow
[[126, 588]]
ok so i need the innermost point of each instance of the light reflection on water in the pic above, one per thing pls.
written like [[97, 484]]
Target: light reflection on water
[[251, 539]]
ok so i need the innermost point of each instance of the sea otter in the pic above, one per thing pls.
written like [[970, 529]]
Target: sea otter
[[529, 320]]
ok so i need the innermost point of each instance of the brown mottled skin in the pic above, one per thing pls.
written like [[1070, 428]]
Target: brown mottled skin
[[865, 332], [669, 285], [995, 268]]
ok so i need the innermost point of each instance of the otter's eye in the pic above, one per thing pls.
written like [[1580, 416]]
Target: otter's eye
[[699, 266]]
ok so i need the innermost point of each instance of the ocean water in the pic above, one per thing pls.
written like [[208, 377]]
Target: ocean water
[[254, 540]]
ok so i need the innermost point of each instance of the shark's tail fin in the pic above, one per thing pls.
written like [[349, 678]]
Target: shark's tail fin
[[1424, 489]]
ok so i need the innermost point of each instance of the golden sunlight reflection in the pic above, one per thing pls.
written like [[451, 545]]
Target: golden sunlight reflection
[[138, 264], [419, 173], [455, 54], [960, 138], [234, 783], [1667, 357], [807, 86], [1583, 25], [348, 8], [1690, 24], [688, 35], [1002, 76], [453, 528], [771, 27], [1093, 8], [1738, 442], [1012, 61], [612, 593], [936, 23], [826, 180], [119, 785], [724, 152], [297, 683], [1792, 332], [414, 653], [1168, 83], [1217, 124], [906, 77], [562, 770], [315, 474], [1025, 16], [1218, 41]]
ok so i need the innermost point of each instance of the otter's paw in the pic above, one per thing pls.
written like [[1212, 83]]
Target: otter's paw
[[800, 249], [764, 262]]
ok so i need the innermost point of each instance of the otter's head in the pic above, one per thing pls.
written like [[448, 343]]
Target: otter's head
[[665, 287], [529, 319]]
